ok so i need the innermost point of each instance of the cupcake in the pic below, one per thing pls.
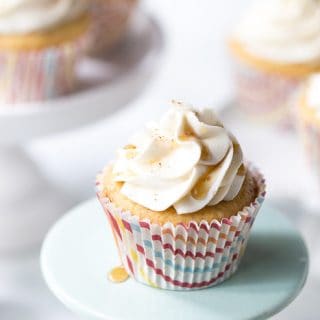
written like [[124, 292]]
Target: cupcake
[[40, 42], [109, 23], [309, 120], [275, 47], [181, 201]]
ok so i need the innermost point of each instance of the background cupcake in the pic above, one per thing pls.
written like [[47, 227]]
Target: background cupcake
[[40, 42], [109, 22], [181, 201], [309, 118], [275, 46]]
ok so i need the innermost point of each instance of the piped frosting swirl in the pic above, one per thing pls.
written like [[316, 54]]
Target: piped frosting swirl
[[27, 16], [282, 31], [187, 160]]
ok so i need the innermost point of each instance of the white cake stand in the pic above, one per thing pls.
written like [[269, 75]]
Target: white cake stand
[[105, 84]]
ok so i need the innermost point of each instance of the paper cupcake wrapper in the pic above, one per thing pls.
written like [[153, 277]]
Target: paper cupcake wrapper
[[182, 257], [266, 96], [109, 22], [310, 133], [39, 75]]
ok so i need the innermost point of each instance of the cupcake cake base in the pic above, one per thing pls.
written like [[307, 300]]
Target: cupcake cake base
[[184, 255], [267, 90], [41, 66]]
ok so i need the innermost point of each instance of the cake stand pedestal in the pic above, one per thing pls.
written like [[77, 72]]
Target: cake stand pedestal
[[79, 251], [28, 202]]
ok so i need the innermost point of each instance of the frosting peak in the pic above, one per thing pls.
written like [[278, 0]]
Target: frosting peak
[[26, 16], [187, 160], [284, 31]]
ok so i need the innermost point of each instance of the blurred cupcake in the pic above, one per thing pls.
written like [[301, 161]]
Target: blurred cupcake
[[309, 118], [276, 45], [109, 23], [181, 201], [40, 42]]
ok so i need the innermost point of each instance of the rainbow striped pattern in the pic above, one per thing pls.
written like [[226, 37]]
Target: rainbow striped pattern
[[182, 257], [39, 75], [265, 96]]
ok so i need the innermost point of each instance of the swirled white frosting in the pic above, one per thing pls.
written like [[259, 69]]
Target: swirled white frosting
[[25, 16], [284, 31], [188, 160]]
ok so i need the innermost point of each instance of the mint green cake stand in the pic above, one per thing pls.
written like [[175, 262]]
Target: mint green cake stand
[[79, 250]]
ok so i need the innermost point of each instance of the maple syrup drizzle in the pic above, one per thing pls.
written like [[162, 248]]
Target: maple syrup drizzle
[[118, 274]]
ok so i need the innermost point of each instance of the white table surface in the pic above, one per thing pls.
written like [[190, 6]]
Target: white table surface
[[194, 67]]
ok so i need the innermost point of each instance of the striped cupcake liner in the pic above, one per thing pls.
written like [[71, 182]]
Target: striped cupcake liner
[[265, 96], [109, 22], [39, 75], [182, 257], [310, 133]]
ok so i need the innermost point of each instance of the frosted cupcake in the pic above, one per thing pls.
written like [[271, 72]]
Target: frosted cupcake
[[275, 46], [309, 118], [110, 20], [40, 42], [181, 201]]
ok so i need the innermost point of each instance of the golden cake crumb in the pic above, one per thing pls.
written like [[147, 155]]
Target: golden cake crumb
[[224, 209]]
